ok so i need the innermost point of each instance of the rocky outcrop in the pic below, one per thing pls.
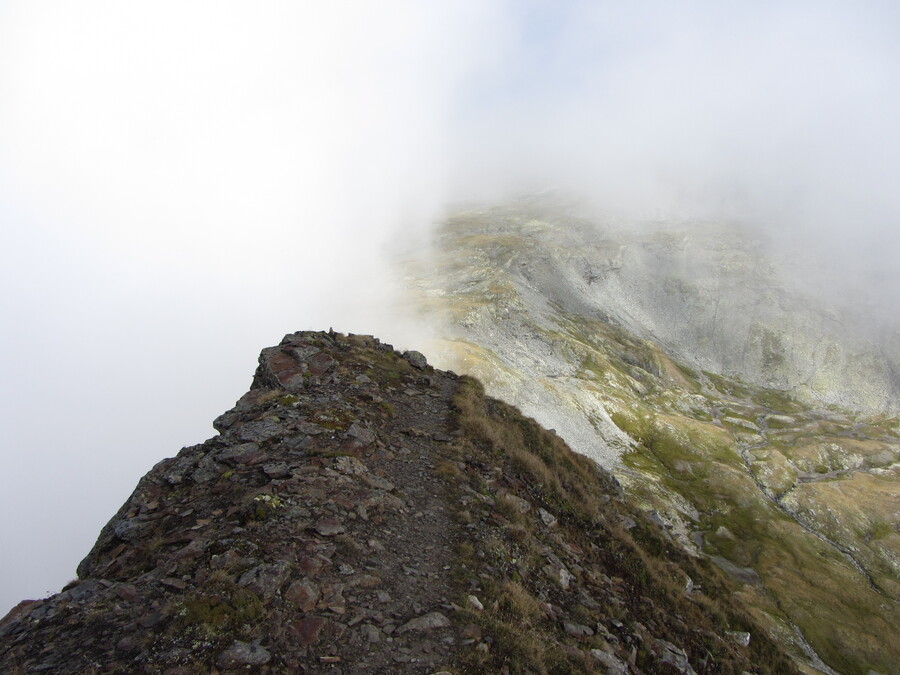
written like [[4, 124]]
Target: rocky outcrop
[[360, 511]]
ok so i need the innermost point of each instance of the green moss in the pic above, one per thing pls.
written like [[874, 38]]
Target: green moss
[[336, 419], [220, 608], [288, 400], [261, 507]]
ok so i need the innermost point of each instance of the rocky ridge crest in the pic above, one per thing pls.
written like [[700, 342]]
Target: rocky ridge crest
[[360, 511]]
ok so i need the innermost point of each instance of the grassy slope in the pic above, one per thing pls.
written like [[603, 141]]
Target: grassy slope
[[624, 576]]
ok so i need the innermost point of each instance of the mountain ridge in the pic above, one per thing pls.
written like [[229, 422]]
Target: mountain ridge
[[361, 511]]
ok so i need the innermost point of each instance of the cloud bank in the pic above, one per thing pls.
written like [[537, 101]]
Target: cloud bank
[[183, 182]]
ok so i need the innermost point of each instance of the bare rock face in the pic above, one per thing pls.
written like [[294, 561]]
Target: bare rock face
[[360, 511]]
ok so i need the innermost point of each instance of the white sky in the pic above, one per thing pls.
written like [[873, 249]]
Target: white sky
[[181, 183]]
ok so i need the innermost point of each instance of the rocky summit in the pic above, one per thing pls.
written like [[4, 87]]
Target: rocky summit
[[362, 512]]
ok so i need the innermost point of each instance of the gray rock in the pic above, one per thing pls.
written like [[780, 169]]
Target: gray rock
[[739, 637], [207, 469], [416, 359], [429, 621], [243, 654], [260, 431], [578, 630], [129, 530], [329, 526], [236, 452], [265, 580], [276, 470], [182, 465], [370, 632], [361, 433], [613, 665], [676, 657], [546, 517], [560, 575]]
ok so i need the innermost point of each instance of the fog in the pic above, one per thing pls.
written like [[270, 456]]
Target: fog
[[181, 183]]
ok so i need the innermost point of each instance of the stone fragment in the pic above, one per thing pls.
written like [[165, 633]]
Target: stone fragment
[[260, 431], [276, 469], [172, 582], [429, 621], [546, 517], [333, 599], [311, 565], [265, 580], [243, 654], [129, 530], [378, 482], [350, 466], [361, 433], [476, 603], [307, 630], [245, 453], [560, 575], [329, 526], [578, 630], [613, 665], [741, 638], [128, 593], [180, 467], [627, 523], [416, 359], [207, 469], [303, 594], [676, 657], [370, 632]]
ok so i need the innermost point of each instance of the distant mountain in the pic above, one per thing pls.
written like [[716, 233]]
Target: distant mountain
[[755, 420], [362, 512]]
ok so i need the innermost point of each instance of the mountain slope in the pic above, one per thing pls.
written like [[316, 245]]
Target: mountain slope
[[618, 339], [361, 511]]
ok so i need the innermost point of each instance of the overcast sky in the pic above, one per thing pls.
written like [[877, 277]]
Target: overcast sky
[[181, 183]]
